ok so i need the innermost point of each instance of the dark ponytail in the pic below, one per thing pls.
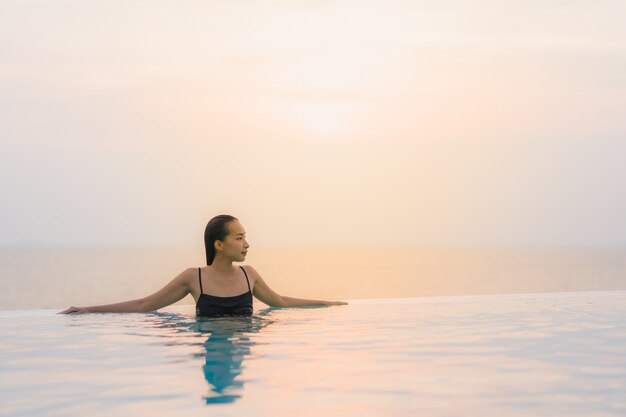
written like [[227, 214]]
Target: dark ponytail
[[216, 229]]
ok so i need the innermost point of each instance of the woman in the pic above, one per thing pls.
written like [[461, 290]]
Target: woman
[[212, 286]]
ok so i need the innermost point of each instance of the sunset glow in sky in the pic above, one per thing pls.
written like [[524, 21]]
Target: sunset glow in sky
[[316, 123]]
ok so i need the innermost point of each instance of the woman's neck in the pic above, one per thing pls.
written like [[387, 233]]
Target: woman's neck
[[223, 267]]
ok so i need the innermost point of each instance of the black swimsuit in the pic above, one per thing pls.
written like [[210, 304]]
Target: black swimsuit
[[214, 306]]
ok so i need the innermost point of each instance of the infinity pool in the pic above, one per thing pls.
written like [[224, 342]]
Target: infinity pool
[[559, 354]]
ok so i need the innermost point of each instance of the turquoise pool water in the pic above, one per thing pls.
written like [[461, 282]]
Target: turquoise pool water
[[500, 355]]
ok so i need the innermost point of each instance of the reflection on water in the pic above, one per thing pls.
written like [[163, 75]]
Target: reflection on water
[[224, 350]]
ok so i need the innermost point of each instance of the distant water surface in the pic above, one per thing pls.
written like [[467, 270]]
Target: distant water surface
[[557, 354], [57, 278]]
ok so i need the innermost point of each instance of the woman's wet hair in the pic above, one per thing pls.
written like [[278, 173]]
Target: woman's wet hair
[[216, 229]]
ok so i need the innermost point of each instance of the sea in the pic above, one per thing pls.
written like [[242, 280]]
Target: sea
[[57, 277]]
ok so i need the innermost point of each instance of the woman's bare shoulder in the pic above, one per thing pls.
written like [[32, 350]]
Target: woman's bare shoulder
[[252, 273], [187, 275]]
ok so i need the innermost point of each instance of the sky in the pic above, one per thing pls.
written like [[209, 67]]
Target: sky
[[323, 123]]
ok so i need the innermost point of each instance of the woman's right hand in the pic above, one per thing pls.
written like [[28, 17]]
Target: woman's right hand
[[75, 310]]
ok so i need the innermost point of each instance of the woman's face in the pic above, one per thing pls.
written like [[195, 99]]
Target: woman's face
[[235, 243]]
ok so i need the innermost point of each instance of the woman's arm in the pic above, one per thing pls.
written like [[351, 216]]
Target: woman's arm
[[175, 290], [263, 292], [294, 302], [133, 306]]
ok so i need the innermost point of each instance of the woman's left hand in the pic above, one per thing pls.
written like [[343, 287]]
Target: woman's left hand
[[336, 303]]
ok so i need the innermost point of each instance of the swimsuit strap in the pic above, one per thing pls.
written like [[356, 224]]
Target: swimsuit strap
[[200, 279], [244, 272]]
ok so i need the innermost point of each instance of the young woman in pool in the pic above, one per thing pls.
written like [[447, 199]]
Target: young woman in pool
[[211, 286]]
